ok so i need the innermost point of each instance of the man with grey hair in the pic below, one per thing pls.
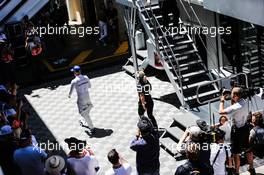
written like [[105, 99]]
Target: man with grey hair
[[238, 112]]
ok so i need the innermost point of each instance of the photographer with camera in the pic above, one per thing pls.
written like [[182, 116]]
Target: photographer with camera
[[238, 112], [195, 135], [147, 148]]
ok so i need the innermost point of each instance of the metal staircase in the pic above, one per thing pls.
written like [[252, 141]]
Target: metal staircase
[[253, 53], [181, 60]]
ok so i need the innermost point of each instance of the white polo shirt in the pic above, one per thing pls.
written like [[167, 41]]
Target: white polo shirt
[[83, 166], [125, 169], [238, 112]]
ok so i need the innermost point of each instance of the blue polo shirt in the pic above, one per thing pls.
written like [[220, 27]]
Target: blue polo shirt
[[31, 160]]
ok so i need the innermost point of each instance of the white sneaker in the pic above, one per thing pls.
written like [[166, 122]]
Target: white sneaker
[[83, 122]]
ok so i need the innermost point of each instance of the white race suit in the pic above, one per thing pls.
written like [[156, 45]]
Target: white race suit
[[82, 83]]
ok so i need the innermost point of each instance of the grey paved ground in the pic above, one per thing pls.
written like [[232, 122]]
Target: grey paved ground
[[114, 114]]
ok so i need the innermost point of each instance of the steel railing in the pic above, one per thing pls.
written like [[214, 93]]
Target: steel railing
[[155, 23]]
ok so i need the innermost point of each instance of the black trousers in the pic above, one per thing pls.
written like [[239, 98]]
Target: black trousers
[[149, 106]]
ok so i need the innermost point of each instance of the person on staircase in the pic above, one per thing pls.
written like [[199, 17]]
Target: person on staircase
[[145, 102]]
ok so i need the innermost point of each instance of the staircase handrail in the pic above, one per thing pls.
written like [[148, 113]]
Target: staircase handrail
[[179, 76], [200, 25], [155, 24], [218, 80]]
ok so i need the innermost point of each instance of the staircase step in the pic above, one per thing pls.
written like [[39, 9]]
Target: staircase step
[[175, 132], [256, 80], [188, 64], [194, 97], [169, 145], [189, 86], [189, 52], [252, 62], [129, 69], [177, 43], [191, 74], [154, 7], [255, 51], [255, 73]]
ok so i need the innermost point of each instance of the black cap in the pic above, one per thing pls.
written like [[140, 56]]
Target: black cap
[[144, 126], [73, 140]]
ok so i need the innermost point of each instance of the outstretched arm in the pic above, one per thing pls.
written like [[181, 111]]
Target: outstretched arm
[[72, 87]]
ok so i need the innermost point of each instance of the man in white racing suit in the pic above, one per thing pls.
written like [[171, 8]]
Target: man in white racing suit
[[82, 83]]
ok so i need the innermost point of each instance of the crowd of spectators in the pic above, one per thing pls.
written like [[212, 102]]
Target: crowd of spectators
[[20, 153]]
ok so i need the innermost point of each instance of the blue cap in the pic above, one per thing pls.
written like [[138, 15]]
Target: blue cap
[[76, 69], [5, 130]]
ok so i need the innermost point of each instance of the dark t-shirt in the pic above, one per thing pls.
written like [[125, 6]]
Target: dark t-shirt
[[194, 168], [148, 151], [145, 88], [7, 149]]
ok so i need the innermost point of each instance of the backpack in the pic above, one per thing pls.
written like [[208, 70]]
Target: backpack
[[258, 142], [259, 139]]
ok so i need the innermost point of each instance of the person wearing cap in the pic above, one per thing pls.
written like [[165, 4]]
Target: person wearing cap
[[119, 165], [80, 160], [145, 103], [81, 83], [238, 112], [193, 135], [29, 158], [146, 146], [55, 165], [7, 149]]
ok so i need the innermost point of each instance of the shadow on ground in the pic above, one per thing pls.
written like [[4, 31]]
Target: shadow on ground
[[100, 133], [44, 136]]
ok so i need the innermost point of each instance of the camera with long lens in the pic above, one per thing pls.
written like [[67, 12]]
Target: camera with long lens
[[246, 92], [226, 92], [207, 135]]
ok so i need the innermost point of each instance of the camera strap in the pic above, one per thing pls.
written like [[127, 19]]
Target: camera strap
[[217, 154]]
